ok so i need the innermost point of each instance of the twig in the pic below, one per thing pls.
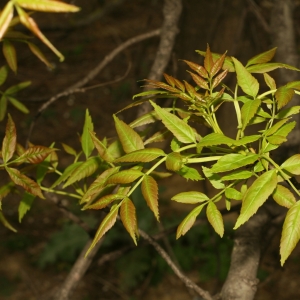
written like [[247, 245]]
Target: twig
[[256, 10], [92, 74], [190, 284]]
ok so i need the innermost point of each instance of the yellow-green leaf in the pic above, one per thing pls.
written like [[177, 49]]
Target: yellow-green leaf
[[283, 196], [6, 223], [283, 96], [150, 193], [39, 54], [10, 140], [5, 17], [191, 197], [104, 201], [248, 111], [292, 165], [10, 54], [215, 218], [144, 155], [262, 57], [86, 140], [25, 205], [124, 177]]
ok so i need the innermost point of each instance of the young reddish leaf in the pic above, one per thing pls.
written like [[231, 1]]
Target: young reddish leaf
[[292, 165], [129, 139], [3, 106], [35, 154], [256, 195], [218, 65], [28, 184], [47, 6], [107, 223], [246, 81], [208, 60], [150, 193], [32, 26], [270, 81], [25, 205], [290, 233], [169, 79], [128, 218], [83, 170], [159, 136], [3, 74], [200, 81], [188, 221], [283, 96], [5, 17], [10, 55], [18, 105], [98, 184], [191, 197], [6, 223], [39, 54], [262, 57], [284, 196], [124, 177], [217, 80], [9, 141], [87, 144], [215, 218], [104, 201], [248, 111], [179, 84], [101, 148], [268, 67], [199, 69], [181, 130], [144, 155], [190, 89], [162, 85]]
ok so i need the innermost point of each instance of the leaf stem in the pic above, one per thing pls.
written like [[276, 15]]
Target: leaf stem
[[60, 192]]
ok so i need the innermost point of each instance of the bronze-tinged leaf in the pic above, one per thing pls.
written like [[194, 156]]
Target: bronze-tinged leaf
[[10, 54], [39, 54], [150, 193], [270, 81], [10, 140], [199, 69], [98, 184], [283, 96], [159, 136], [170, 80], [28, 184], [179, 84], [199, 81], [107, 223], [162, 85], [104, 201], [144, 155], [129, 139], [218, 65], [5, 17], [208, 60], [190, 89], [128, 218], [35, 154], [124, 177], [101, 148], [217, 80], [6, 223]]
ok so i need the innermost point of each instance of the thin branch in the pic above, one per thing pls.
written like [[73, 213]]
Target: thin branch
[[92, 74], [257, 12], [189, 283]]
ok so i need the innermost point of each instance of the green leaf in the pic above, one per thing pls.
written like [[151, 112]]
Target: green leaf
[[275, 127], [3, 74], [181, 130], [10, 140], [66, 174], [231, 193], [18, 105], [18, 87], [214, 139], [98, 184], [246, 81], [284, 196], [287, 112], [214, 179], [159, 136], [5, 17], [3, 107], [69, 149], [124, 177], [148, 93], [86, 139], [83, 170], [276, 139], [150, 193], [129, 139], [188, 221], [286, 129], [47, 6], [247, 140], [248, 111], [292, 165], [10, 55], [107, 223], [233, 161], [104, 201], [262, 57], [128, 218], [6, 223], [290, 232], [268, 67], [238, 174], [102, 149], [174, 161], [28, 184], [148, 118], [215, 218], [144, 155], [256, 195], [283, 96], [269, 81], [191, 197], [25, 205], [189, 173]]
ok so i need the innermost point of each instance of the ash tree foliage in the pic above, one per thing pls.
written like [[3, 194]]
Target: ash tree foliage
[[106, 172]]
